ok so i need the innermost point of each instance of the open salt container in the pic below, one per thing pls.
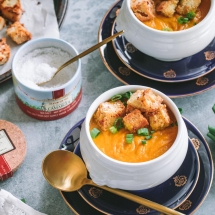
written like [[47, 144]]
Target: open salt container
[[60, 96]]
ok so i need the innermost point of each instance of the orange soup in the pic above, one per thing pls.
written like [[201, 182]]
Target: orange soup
[[115, 146], [134, 126], [165, 23]]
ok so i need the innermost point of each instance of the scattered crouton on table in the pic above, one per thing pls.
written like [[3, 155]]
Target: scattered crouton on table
[[4, 51], [18, 33]]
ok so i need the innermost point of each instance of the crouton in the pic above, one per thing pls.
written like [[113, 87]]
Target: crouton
[[129, 109], [167, 8], [134, 121], [186, 6], [144, 10], [11, 10], [145, 100], [160, 119], [107, 113], [4, 51], [18, 33], [2, 23]]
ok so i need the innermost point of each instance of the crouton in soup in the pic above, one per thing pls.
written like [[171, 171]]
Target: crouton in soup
[[170, 15], [133, 126]]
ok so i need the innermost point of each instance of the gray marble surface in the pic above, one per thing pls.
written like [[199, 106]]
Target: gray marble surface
[[80, 28]]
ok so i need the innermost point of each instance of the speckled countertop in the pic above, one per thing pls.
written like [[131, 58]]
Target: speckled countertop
[[80, 28]]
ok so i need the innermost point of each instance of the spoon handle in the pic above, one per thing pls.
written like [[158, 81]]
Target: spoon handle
[[93, 48], [138, 199]]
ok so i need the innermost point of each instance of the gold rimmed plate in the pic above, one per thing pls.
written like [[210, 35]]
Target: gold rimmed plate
[[189, 206], [172, 193], [127, 76], [186, 69]]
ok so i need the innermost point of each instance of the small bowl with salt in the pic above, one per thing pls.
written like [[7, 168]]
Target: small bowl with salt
[[34, 63]]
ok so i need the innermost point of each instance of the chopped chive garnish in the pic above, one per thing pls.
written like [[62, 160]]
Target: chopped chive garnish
[[211, 136], [172, 124], [113, 129], [116, 97], [211, 129], [213, 108], [127, 95], [143, 131], [182, 20], [23, 200], [129, 138], [152, 131], [118, 123], [176, 123], [129, 135], [148, 137], [166, 29], [190, 15], [143, 141], [94, 132], [180, 110]]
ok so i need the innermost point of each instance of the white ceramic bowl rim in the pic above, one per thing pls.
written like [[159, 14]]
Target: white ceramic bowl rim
[[199, 25], [27, 44], [125, 89]]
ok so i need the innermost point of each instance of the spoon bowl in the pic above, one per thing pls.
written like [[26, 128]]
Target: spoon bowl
[[66, 177], [67, 172]]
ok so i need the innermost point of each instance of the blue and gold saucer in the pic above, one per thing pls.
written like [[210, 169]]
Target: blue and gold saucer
[[172, 89], [186, 69], [119, 206], [171, 193]]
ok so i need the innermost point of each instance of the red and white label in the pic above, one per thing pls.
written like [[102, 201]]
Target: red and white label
[[52, 110], [58, 94], [6, 146], [5, 170]]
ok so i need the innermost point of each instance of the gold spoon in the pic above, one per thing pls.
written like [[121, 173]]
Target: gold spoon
[[67, 172], [93, 48]]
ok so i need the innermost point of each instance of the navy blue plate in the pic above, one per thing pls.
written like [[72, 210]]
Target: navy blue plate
[[186, 69], [60, 10], [171, 193], [79, 206], [127, 76]]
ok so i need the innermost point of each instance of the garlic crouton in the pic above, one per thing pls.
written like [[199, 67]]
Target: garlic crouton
[[18, 33], [11, 10], [107, 113], [186, 6], [145, 100], [134, 121], [144, 10], [4, 51], [167, 8], [160, 119], [2, 23], [129, 109]]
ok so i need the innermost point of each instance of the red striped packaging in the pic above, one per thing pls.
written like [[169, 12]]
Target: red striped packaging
[[12, 149]]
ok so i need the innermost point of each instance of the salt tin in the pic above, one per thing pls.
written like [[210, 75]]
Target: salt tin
[[53, 103]]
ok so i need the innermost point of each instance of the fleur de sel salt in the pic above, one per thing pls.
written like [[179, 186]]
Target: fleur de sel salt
[[41, 64], [44, 73]]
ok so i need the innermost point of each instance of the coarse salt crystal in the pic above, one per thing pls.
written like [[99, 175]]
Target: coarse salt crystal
[[44, 73], [40, 65]]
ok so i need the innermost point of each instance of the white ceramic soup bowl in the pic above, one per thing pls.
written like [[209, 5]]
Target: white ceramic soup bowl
[[132, 176], [166, 46], [57, 100]]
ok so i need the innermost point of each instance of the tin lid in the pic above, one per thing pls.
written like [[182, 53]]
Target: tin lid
[[12, 149]]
